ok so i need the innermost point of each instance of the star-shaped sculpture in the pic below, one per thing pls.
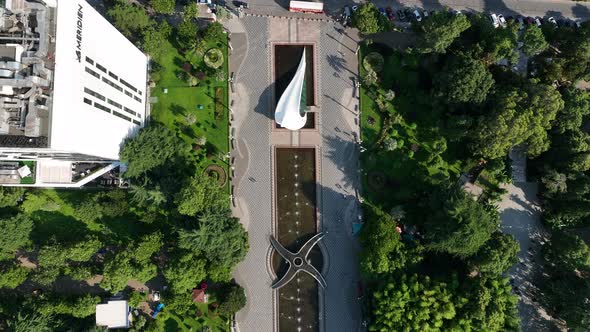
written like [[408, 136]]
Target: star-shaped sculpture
[[298, 261]]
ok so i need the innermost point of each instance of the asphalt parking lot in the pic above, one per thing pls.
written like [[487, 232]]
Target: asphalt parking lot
[[577, 11]]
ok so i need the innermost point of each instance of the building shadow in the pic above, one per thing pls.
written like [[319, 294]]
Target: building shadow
[[581, 11], [283, 3]]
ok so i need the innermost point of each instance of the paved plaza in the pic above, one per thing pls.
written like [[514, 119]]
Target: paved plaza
[[334, 140]]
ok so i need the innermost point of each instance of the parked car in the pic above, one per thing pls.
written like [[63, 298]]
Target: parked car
[[552, 20], [530, 20], [495, 21], [578, 24], [382, 11], [354, 8], [417, 16], [502, 20], [241, 4], [520, 21], [538, 22], [425, 14]]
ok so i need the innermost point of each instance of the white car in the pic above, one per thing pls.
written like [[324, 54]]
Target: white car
[[417, 16], [495, 21], [425, 14], [552, 20], [538, 22], [502, 20], [354, 8]]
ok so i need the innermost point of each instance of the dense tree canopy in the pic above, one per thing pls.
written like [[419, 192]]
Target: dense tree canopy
[[15, 235], [151, 148], [185, 272], [457, 224], [163, 6], [567, 253], [464, 80], [497, 255], [130, 19], [366, 18], [533, 40], [219, 238], [200, 193], [154, 37], [439, 30]]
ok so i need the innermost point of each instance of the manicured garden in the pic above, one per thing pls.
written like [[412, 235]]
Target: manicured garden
[[192, 99]]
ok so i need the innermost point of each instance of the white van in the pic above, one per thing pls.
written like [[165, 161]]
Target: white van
[[417, 15], [495, 20]]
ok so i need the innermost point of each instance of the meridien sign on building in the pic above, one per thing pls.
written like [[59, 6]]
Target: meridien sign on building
[[79, 34]]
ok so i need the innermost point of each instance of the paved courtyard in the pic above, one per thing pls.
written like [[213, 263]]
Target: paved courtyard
[[520, 215], [334, 139]]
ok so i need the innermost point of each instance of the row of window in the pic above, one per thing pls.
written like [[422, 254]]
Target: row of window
[[111, 102], [108, 110], [111, 74]]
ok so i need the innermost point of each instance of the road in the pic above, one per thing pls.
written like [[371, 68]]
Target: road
[[556, 8]]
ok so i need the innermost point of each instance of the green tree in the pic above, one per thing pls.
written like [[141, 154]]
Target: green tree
[[439, 30], [497, 255], [163, 6], [576, 107], [88, 211], [382, 250], [190, 11], [554, 182], [200, 193], [186, 34], [121, 268], [30, 323], [366, 18], [219, 237], [567, 253], [154, 38], [490, 306], [457, 224], [184, 272], [9, 196], [533, 40], [412, 303], [369, 78], [15, 235], [464, 80], [79, 307], [214, 31], [566, 295], [147, 247], [12, 275], [153, 147], [518, 115], [232, 300], [130, 20]]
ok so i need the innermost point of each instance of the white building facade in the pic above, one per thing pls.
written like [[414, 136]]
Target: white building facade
[[88, 83]]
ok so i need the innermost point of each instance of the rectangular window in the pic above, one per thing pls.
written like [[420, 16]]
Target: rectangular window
[[128, 93], [103, 69], [94, 94], [129, 111], [88, 101], [113, 75], [115, 113], [114, 103], [90, 61], [107, 81], [92, 72], [137, 122], [128, 85], [137, 99], [140, 93], [100, 107]]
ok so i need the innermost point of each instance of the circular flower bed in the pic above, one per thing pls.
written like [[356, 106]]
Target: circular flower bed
[[213, 58], [373, 61], [218, 173]]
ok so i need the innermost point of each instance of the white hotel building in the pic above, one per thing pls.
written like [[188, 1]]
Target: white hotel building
[[72, 88]]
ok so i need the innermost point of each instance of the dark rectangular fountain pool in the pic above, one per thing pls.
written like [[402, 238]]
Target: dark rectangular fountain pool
[[286, 61], [296, 222]]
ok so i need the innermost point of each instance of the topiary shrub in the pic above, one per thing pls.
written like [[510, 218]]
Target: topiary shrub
[[213, 58], [373, 61]]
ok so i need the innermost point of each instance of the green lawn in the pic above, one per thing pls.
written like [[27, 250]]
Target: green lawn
[[175, 107]]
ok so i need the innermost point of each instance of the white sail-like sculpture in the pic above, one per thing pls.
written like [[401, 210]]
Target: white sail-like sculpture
[[288, 113]]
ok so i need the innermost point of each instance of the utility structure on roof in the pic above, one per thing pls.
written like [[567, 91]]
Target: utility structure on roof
[[72, 88]]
